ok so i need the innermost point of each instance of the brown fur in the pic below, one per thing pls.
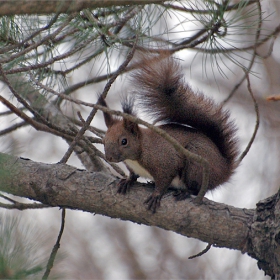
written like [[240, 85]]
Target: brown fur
[[163, 95]]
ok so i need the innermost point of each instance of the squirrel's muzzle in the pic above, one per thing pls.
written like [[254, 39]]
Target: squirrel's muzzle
[[112, 154]]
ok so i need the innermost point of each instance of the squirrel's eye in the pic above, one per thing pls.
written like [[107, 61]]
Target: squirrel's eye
[[124, 141]]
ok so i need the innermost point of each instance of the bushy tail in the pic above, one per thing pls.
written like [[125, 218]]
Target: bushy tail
[[163, 95]]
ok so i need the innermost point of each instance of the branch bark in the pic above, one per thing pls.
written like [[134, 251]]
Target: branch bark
[[264, 236], [65, 186], [252, 231], [19, 7]]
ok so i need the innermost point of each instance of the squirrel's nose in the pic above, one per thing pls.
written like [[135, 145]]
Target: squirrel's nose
[[110, 157]]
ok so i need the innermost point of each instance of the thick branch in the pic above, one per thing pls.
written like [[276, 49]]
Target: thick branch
[[19, 7], [65, 186], [264, 236]]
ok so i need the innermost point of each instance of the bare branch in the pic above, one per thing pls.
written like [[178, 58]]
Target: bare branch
[[32, 122], [200, 11], [257, 121], [65, 186], [13, 128], [93, 112], [21, 206], [56, 246], [20, 7], [208, 247]]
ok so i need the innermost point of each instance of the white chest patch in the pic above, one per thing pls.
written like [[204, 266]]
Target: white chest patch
[[141, 171], [138, 169], [178, 183]]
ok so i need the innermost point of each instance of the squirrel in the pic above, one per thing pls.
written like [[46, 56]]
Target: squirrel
[[195, 121]]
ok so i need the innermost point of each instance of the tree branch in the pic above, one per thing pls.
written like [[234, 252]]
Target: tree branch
[[65, 186], [56, 247], [252, 231], [20, 206], [20, 7]]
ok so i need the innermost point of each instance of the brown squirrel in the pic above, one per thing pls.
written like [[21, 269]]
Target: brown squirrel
[[196, 122]]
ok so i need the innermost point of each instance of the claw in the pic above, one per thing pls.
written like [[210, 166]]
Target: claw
[[153, 202], [125, 184], [181, 195]]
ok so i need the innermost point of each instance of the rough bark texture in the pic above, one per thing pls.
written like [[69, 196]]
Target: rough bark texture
[[95, 192], [19, 7], [264, 236], [255, 232]]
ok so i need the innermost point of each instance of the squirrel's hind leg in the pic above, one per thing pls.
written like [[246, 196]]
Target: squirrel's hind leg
[[182, 194]]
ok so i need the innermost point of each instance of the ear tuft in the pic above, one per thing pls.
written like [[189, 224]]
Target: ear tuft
[[128, 108], [128, 105]]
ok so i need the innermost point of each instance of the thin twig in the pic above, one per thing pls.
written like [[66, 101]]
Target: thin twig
[[21, 206], [6, 113], [7, 198], [98, 79], [44, 124], [93, 112], [257, 121], [19, 98], [32, 122], [202, 252], [56, 247], [204, 11], [13, 127], [99, 132]]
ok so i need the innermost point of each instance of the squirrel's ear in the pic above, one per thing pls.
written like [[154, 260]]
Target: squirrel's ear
[[109, 120], [131, 127]]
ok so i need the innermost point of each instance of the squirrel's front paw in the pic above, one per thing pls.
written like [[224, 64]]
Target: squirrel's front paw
[[125, 184], [153, 202]]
